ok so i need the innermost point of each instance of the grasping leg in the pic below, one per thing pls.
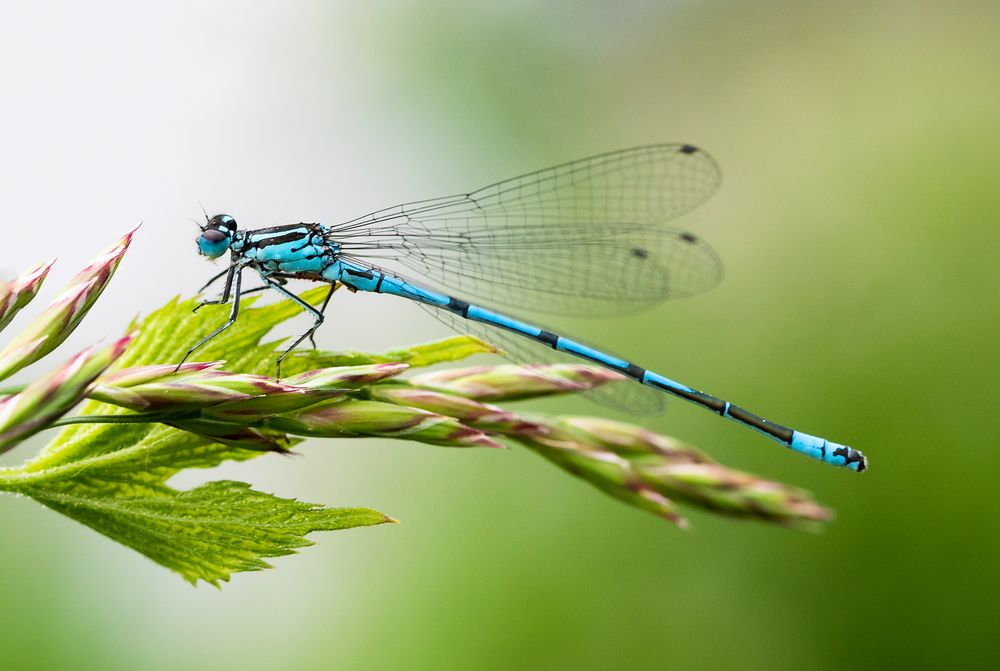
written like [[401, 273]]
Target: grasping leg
[[322, 309], [234, 272], [231, 272], [280, 280], [316, 314], [214, 279]]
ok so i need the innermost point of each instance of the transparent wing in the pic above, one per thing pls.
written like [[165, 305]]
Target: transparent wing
[[582, 238]]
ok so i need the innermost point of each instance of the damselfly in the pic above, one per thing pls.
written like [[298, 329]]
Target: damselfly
[[581, 238]]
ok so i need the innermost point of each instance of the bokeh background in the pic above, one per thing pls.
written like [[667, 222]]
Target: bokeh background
[[858, 219]]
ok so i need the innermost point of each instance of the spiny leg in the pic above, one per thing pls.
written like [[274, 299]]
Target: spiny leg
[[214, 279], [224, 299], [322, 310], [282, 281], [235, 286], [264, 287], [317, 315], [230, 272]]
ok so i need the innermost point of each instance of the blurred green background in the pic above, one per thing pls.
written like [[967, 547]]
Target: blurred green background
[[860, 143]]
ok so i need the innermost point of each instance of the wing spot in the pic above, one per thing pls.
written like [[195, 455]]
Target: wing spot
[[688, 237], [640, 253], [688, 149]]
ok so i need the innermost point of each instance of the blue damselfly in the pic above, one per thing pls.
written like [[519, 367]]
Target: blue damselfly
[[581, 238]]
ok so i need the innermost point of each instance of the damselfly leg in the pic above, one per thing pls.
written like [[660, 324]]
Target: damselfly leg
[[214, 279], [322, 310], [233, 285], [317, 316]]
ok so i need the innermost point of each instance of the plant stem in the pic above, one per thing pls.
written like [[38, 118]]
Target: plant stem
[[146, 418]]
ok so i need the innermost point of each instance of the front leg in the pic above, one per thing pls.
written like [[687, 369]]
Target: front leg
[[214, 279], [231, 272], [233, 282]]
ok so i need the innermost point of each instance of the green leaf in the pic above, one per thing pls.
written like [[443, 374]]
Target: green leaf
[[113, 477], [450, 349], [208, 532]]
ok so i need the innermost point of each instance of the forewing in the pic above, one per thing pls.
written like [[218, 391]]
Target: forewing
[[582, 238]]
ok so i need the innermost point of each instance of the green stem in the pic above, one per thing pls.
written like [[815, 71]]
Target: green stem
[[147, 418]]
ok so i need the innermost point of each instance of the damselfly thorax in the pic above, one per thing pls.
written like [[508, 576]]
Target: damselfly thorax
[[297, 251]]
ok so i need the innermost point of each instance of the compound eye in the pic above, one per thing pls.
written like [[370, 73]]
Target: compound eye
[[214, 235], [222, 221]]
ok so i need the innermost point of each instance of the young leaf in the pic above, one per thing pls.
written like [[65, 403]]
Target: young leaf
[[62, 316], [206, 533], [47, 399], [17, 293]]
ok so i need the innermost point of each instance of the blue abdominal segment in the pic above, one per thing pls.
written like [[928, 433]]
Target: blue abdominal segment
[[370, 279]]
